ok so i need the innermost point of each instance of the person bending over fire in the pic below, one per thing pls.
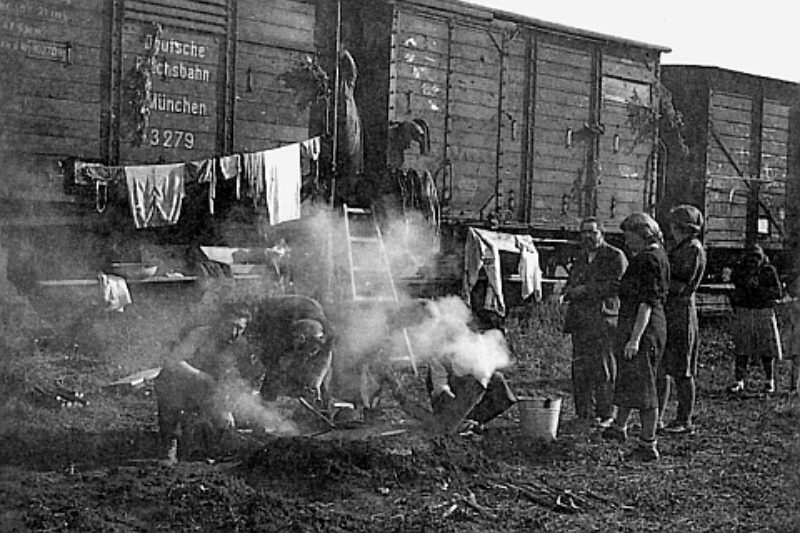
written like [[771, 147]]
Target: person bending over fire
[[190, 388]]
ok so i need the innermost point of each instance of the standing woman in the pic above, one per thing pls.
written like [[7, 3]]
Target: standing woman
[[687, 261], [756, 288], [641, 333]]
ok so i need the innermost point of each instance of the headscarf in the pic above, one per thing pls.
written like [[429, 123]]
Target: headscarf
[[687, 217]]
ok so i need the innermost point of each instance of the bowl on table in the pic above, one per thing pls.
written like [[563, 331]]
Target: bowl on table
[[133, 271]]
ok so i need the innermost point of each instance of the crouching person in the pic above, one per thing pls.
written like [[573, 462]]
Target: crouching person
[[464, 402], [304, 368], [190, 393], [294, 341]]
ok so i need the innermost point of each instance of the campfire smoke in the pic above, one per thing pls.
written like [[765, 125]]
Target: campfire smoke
[[248, 409], [445, 335]]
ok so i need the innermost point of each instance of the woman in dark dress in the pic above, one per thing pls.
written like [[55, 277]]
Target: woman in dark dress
[[641, 332]]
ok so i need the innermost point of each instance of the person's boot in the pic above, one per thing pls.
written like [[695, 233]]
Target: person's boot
[[646, 451]]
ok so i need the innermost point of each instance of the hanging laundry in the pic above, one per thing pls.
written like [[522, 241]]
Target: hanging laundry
[[309, 152], [155, 194], [204, 171], [92, 173], [255, 173], [482, 252], [283, 183], [529, 269], [230, 167], [274, 176], [114, 291]]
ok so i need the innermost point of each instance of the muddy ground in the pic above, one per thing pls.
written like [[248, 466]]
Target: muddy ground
[[94, 467]]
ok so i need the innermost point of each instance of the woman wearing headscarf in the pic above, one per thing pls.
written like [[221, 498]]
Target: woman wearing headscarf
[[687, 261], [641, 332], [756, 289]]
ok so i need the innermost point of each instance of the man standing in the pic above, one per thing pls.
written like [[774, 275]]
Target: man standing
[[687, 262], [592, 293]]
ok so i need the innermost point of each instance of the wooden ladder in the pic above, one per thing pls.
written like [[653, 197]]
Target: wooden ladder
[[371, 279]]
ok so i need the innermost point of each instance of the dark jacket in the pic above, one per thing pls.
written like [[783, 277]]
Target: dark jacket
[[601, 279], [687, 263], [755, 287]]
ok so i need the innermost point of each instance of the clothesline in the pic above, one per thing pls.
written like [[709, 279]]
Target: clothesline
[[156, 192]]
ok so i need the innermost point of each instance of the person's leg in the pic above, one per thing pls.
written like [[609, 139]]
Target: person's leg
[[619, 428], [647, 449], [605, 377], [769, 373], [742, 359], [687, 393], [581, 375], [581, 389], [742, 334], [663, 390]]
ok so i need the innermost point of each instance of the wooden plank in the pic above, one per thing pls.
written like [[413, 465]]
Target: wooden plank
[[776, 109], [726, 115], [629, 70], [87, 93], [551, 53], [270, 112], [49, 107], [280, 18], [253, 135], [83, 127], [732, 101], [569, 72], [53, 145], [774, 148], [568, 99], [413, 24], [564, 85], [624, 91], [273, 35], [212, 13], [263, 9], [775, 122], [773, 135]]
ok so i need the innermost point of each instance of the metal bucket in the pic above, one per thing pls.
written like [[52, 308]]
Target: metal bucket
[[538, 417]]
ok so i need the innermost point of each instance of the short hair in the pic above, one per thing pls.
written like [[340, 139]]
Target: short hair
[[594, 220], [643, 225]]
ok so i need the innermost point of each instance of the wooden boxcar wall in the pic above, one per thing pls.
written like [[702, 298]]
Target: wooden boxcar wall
[[54, 56], [66, 66], [524, 123], [273, 37], [741, 169]]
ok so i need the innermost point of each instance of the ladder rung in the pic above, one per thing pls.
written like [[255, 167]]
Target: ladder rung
[[378, 273], [357, 210], [373, 299]]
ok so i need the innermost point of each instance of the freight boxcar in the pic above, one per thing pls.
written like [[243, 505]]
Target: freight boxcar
[[75, 75], [742, 166], [531, 124]]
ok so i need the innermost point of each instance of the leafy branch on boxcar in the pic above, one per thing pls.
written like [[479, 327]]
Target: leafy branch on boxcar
[[137, 90], [309, 81], [664, 118]]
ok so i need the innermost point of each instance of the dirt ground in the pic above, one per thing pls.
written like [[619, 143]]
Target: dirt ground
[[94, 467]]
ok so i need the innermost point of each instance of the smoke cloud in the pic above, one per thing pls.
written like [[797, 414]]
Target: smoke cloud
[[248, 409], [445, 335]]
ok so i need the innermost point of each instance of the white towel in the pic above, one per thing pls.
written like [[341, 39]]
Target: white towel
[[529, 269], [283, 183], [114, 291]]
